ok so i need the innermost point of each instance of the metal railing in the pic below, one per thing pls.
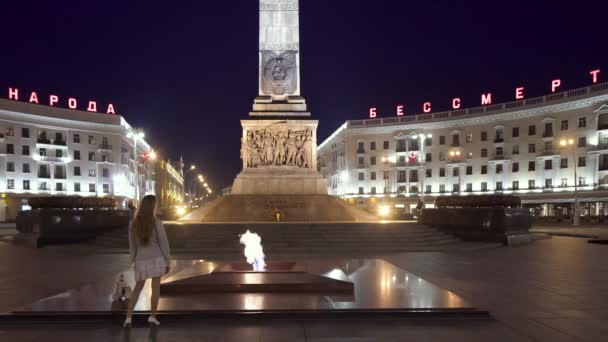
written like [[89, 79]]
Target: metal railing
[[51, 142], [546, 153], [51, 159]]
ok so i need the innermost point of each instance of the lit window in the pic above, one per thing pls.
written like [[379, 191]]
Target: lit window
[[582, 122], [469, 137]]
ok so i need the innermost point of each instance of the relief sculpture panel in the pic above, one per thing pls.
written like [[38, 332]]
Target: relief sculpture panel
[[278, 147]]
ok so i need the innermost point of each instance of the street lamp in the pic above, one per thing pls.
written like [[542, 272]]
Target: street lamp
[[386, 161], [565, 144], [152, 155], [422, 137], [136, 134], [192, 168]]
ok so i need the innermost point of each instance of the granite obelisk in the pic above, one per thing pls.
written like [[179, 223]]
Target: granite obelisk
[[279, 180], [279, 142]]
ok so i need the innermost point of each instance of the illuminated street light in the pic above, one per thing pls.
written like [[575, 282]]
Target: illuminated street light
[[384, 210], [566, 143], [152, 155], [421, 137]]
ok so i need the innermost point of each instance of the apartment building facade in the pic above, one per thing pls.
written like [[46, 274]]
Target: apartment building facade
[[51, 151], [545, 150]]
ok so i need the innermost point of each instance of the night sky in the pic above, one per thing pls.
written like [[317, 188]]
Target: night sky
[[186, 71]]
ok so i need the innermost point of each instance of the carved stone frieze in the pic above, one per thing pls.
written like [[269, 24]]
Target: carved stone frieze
[[278, 146], [278, 5]]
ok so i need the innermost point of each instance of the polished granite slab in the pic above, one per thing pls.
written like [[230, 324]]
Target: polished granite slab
[[380, 289]]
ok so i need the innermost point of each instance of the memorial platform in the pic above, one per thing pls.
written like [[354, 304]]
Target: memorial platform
[[366, 288], [291, 208]]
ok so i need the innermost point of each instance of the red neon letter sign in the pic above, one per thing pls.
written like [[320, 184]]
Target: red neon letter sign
[[13, 94], [426, 107], [92, 106], [34, 97], [400, 110], [486, 99], [456, 103], [373, 112], [519, 93], [72, 103], [594, 74], [555, 84], [111, 109], [53, 99]]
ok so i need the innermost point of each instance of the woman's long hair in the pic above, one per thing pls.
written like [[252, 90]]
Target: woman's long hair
[[144, 221]]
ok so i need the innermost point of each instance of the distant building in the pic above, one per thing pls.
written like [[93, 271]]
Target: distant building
[[169, 177], [50, 151], [511, 148]]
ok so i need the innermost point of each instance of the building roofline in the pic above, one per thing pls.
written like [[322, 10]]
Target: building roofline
[[333, 135], [584, 93], [59, 113]]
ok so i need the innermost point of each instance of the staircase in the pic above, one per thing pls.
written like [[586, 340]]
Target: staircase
[[221, 241]]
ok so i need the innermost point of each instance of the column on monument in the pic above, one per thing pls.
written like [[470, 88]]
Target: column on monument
[[279, 48]]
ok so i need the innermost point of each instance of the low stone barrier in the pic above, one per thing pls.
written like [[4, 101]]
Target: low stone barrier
[[40, 227], [492, 224]]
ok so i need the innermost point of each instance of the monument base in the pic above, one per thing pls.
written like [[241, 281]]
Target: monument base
[[279, 180], [278, 208]]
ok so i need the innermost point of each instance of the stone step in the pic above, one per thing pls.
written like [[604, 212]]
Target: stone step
[[287, 242], [306, 239]]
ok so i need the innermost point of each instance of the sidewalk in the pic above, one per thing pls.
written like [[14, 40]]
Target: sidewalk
[[590, 232], [8, 230]]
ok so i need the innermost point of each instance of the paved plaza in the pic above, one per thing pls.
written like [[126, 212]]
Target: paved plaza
[[552, 290]]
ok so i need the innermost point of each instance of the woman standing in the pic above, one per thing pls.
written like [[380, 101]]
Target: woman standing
[[150, 254]]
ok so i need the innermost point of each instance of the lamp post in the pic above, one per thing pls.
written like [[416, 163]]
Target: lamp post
[[149, 158], [136, 134], [192, 189], [422, 137], [386, 176], [571, 143], [192, 168]]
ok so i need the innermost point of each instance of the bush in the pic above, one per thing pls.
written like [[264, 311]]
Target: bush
[[478, 201], [71, 203]]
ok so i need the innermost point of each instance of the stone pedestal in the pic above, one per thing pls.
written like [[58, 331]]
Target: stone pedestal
[[279, 158], [279, 181]]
